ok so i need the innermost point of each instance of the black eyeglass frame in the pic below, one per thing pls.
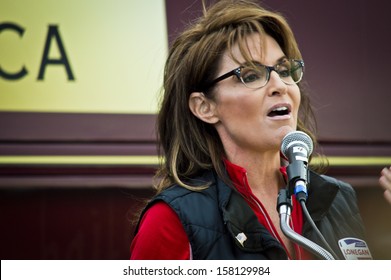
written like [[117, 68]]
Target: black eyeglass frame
[[237, 72]]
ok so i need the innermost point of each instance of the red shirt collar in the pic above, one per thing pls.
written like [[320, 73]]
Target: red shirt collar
[[238, 175]]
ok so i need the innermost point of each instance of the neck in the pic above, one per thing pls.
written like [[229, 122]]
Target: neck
[[263, 172]]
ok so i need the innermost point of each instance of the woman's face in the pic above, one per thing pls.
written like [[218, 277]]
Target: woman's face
[[247, 118]]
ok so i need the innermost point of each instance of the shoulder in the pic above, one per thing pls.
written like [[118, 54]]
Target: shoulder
[[192, 207], [339, 198], [330, 184], [328, 194], [160, 230], [341, 184], [198, 210], [333, 206], [177, 196], [344, 188]]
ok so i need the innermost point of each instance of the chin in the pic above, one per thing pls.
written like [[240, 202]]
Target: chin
[[285, 130]]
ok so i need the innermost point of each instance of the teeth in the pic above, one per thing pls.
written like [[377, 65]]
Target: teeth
[[281, 108]]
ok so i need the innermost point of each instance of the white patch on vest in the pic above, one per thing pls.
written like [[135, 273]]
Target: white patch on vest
[[354, 249], [241, 237]]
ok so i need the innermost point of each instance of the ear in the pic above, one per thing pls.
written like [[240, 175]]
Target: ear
[[203, 107]]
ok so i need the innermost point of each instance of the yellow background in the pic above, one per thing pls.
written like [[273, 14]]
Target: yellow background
[[116, 50]]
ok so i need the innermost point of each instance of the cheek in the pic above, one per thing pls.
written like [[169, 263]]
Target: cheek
[[239, 107], [296, 99], [235, 100]]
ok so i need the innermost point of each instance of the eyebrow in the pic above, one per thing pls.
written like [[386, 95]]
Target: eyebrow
[[281, 59]]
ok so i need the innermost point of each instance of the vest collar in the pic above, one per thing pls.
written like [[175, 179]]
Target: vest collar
[[321, 194]]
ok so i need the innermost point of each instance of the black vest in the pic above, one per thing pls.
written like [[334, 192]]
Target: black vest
[[215, 218]]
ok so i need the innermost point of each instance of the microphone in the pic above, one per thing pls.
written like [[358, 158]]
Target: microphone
[[297, 146]]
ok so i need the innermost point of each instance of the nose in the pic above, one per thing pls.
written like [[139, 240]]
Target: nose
[[275, 85]]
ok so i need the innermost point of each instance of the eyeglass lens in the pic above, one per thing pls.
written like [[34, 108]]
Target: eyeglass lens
[[290, 72]]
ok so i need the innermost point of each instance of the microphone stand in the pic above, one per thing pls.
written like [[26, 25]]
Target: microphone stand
[[284, 207]]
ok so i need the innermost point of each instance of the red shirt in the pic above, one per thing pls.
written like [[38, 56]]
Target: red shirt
[[168, 240]]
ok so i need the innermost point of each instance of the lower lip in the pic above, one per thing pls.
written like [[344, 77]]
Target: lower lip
[[281, 118]]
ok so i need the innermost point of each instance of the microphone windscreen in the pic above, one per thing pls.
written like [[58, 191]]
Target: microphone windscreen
[[296, 137]]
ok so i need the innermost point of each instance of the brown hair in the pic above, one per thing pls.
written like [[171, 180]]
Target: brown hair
[[187, 144]]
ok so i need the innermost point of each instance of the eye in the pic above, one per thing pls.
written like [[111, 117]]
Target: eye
[[284, 73], [284, 69], [250, 75]]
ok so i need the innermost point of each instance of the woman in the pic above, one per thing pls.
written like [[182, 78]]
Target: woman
[[232, 91]]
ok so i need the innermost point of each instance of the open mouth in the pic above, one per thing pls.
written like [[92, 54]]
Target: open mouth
[[279, 111]]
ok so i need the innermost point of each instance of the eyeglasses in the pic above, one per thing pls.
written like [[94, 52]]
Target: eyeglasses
[[257, 75]]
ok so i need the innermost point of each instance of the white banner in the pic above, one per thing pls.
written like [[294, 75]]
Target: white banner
[[187, 270]]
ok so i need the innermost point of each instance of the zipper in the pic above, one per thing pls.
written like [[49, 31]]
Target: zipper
[[270, 224]]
